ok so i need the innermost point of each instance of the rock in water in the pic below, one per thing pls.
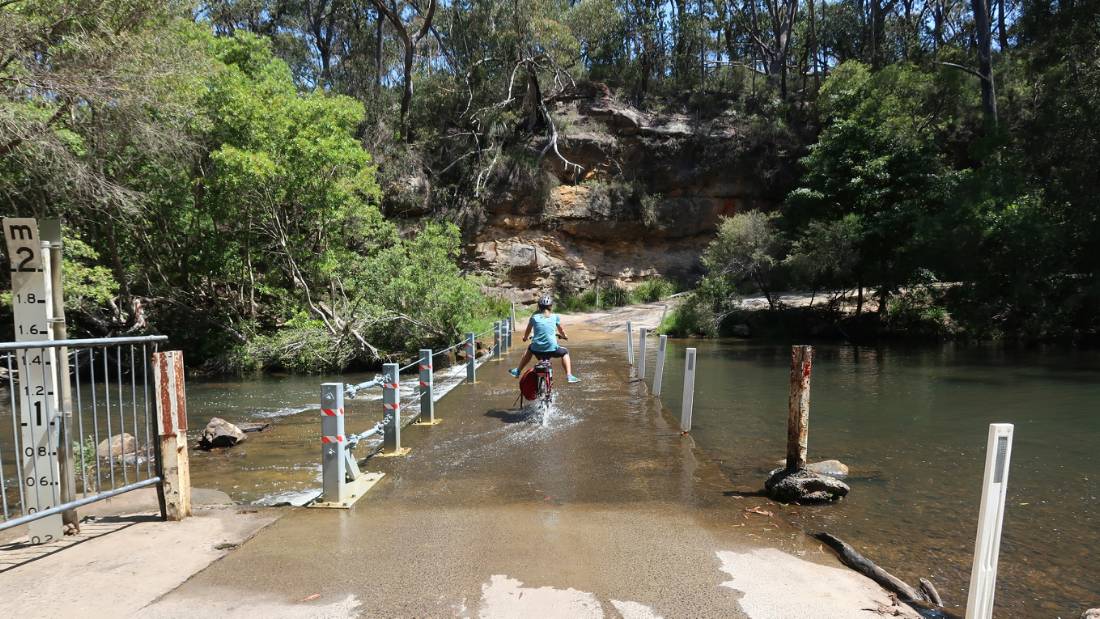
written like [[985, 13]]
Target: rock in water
[[832, 468], [220, 433], [116, 446], [803, 486]]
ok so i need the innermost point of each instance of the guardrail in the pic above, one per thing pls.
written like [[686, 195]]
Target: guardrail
[[344, 483], [83, 427]]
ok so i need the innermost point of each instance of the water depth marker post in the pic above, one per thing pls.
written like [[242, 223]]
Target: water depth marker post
[[643, 333], [987, 544], [798, 407], [689, 390], [659, 375], [38, 400]]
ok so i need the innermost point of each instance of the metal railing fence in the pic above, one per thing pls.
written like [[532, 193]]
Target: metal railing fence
[[100, 443]]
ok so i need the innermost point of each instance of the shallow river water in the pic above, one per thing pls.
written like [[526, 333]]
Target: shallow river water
[[912, 424]]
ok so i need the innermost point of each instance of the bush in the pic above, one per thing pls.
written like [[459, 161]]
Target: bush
[[652, 290]]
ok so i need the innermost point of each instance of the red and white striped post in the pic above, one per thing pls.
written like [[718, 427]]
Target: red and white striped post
[[427, 383], [333, 442], [391, 408]]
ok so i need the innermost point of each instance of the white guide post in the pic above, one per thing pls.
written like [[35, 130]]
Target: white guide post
[[643, 333], [630, 344], [333, 442], [987, 545], [689, 390], [38, 394], [659, 374]]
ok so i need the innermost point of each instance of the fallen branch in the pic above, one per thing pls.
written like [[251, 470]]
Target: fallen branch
[[925, 601]]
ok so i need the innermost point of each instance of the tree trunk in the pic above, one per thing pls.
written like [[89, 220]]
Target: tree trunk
[[378, 54], [407, 91], [985, 60], [1002, 30]]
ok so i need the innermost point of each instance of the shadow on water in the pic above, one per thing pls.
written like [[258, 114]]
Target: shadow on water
[[515, 415], [529, 415]]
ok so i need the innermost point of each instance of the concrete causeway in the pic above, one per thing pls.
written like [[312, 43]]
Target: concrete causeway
[[606, 511]]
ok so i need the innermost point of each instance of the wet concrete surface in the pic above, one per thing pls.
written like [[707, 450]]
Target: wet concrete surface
[[604, 511]]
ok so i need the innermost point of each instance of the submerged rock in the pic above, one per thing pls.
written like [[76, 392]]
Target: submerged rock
[[116, 446], [832, 468], [804, 486], [220, 433]]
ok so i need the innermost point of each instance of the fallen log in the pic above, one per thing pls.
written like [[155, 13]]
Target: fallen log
[[925, 601]]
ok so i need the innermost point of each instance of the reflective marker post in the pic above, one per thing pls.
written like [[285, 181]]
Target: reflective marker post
[[498, 339], [987, 544], [630, 345], [513, 315], [659, 376], [642, 334], [689, 390], [427, 386], [391, 408]]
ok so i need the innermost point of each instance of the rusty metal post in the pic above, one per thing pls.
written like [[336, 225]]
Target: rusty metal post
[[170, 388], [798, 407]]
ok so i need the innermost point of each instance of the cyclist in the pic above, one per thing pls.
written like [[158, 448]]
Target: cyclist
[[544, 329]]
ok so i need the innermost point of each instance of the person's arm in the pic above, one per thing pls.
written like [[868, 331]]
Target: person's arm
[[530, 326], [561, 332]]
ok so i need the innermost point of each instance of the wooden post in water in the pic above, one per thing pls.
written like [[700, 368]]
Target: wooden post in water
[[798, 407]]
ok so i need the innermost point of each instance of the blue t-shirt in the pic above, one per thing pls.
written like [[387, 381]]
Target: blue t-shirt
[[544, 332]]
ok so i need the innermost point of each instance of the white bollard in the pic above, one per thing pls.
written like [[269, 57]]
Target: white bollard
[[642, 334], [513, 316], [987, 544], [659, 375], [630, 345], [689, 390]]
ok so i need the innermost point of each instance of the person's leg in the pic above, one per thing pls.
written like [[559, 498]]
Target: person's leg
[[522, 363], [565, 361]]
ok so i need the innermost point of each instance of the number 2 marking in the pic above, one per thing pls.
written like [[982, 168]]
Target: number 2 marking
[[29, 253]]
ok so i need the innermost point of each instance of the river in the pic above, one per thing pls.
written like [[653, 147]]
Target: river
[[910, 421], [912, 424]]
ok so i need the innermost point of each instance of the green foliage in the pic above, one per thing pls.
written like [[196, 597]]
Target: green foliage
[[652, 290], [747, 252]]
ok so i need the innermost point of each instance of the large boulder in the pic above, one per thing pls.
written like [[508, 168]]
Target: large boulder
[[804, 486], [116, 446], [220, 433]]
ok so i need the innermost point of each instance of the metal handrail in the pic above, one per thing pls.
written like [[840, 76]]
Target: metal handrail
[[83, 343]]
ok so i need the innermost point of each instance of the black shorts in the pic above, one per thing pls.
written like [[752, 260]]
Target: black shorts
[[553, 354]]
